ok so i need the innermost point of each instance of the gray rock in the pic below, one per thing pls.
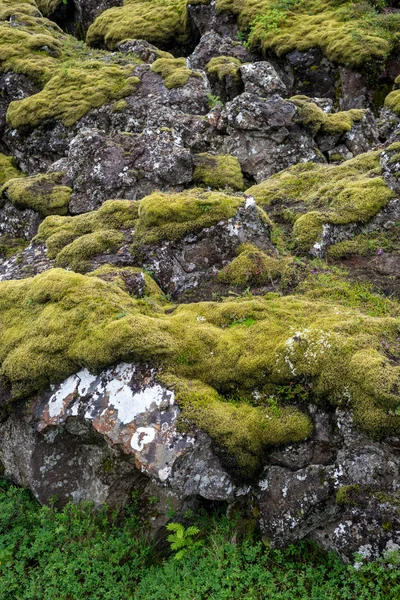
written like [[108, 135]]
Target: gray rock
[[261, 79], [212, 45]]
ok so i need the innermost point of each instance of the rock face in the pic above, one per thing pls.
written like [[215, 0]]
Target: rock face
[[174, 205]]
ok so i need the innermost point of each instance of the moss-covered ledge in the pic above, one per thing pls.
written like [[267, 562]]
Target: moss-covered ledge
[[214, 355], [43, 193]]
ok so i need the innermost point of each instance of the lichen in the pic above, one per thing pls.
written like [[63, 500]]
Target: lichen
[[224, 66], [218, 171], [42, 193], [173, 71], [252, 267], [314, 194], [160, 22], [213, 354], [347, 32], [74, 78], [8, 169], [347, 495], [317, 120]]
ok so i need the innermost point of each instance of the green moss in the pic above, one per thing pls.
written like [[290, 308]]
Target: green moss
[[58, 322], [8, 169], [347, 32], [42, 193], [307, 230], [121, 275], [74, 78], [352, 192], [368, 243], [218, 171], [10, 246], [173, 71], [224, 66], [328, 123], [392, 101], [160, 22], [48, 7], [347, 495], [69, 95], [254, 267]]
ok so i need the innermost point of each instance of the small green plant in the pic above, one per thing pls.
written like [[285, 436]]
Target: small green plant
[[182, 540], [213, 101]]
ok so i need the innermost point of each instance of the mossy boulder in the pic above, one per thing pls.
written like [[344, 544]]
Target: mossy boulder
[[351, 33], [8, 169], [310, 195], [74, 78], [157, 21], [392, 100], [312, 116], [218, 171], [214, 355], [224, 66], [173, 71], [44, 194]]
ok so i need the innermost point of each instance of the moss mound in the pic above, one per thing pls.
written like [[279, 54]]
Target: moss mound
[[317, 120], [73, 241], [349, 32], [392, 100], [252, 267], [8, 169], [218, 171], [160, 22], [310, 195], [213, 354], [224, 66], [42, 193], [74, 78], [173, 71]]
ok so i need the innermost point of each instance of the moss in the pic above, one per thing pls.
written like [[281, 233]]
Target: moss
[[307, 230], [8, 169], [392, 101], [347, 495], [347, 32], [173, 71], [224, 66], [69, 95], [10, 246], [120, 276], [160, 22], [58, 322], [352, 192], [74, 78], [368, 243], [218, 171], [327, 123], [254, 267], [42, 193], [48, 7]]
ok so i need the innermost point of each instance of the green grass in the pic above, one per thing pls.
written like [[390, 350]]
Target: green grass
[[79, 553]]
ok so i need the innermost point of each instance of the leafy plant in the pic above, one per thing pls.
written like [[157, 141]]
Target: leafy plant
[[183, 539]]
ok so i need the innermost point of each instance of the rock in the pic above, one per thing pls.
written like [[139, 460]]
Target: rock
[[123, 166], [212, 45], [263, 135], [13, 86], [313, 74], [141, 48], [204, 18], [354, 91], [261, 79]]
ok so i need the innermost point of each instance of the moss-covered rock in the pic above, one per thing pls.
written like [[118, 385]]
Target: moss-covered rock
[[310, 195], [392, 100], [74, 78], [317, 120], [224, 66], [42, 193], [350, 33], [252, 267], [173, 71], [160, 22], [213, 354], [8, 169], [218, 171], [132, 280]]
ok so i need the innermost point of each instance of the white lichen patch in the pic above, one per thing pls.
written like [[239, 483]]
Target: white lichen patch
[[141, 437], [58, 399]]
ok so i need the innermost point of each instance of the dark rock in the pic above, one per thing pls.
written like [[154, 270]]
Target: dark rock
[[212, 45]]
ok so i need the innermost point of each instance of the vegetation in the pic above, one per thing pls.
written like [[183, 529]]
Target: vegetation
[[309, 195], [173, 71], [8, 169], [392, 100], [317, 120], [224, 66], [79, 552], [42, 193], [74, 78], [354, 33], [218, 171], [160, 22]]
